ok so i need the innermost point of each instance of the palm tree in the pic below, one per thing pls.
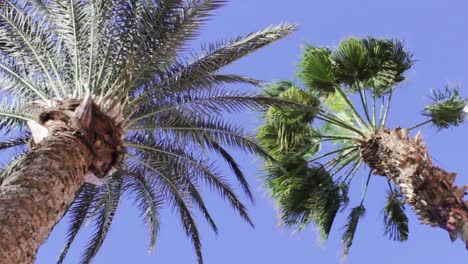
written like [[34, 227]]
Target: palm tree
[[352, 89], [101, 99]]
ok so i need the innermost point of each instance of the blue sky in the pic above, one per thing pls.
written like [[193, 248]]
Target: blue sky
[[436, 31]]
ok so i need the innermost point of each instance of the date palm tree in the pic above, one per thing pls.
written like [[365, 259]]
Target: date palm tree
[[102, 99], [352, 88]]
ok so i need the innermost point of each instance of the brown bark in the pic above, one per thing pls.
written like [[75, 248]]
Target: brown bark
[[428, 189], [35, 197]]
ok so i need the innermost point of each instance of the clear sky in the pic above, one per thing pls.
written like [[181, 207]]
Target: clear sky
[[436, 31]]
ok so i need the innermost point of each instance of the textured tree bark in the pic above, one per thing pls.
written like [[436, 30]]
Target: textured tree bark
[[428, 189], [38, 193], [72, 139]]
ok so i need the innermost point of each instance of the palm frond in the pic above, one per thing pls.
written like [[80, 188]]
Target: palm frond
[[148, 202], [395, 219], [387, 63], [305, 194], [197, 199], [316, 70], [235, 79], [447, 108], [104, 211], [181, 175], [351, 59], [30, 37], [174, 23], [235, 168], [15, 142], [172, 190], [71, 19], [293, 124], [202, 131], [78, 213], [15, 80], [276, 88], [189, 164], [217, 57], [217, 101], [351, 227], [12, 119]]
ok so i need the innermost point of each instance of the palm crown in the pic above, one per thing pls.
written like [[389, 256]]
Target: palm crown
[[313, 187], [128, 57]]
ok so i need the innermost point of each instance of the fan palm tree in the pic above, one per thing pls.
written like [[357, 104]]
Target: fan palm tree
[[100, 98], [352, 88]]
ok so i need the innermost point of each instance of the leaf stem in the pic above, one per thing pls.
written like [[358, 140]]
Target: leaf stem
[[362, 95], [366, 187], [330, 119], [332, 152], [350, 105], [383, 121], [419, 125]]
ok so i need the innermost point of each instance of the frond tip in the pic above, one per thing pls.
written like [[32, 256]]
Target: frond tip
[[447, 109]]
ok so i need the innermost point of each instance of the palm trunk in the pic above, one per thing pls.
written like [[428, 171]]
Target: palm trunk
[[73, 139], [38, 193], [428, 189]]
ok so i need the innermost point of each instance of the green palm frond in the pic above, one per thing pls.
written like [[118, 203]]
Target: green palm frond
[[388, 61], [183, 77], [351, 227], [351, 59], [403, 60], [191, 164], [395, 219], [148, 201], [78, 213], [176, 193], [305, 194], [292, 123], [304, 143], [165, 37], [104, 211], [211, 102], [317, 70], [201, 131], [447, 108], [229, 159], [276, 88]]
